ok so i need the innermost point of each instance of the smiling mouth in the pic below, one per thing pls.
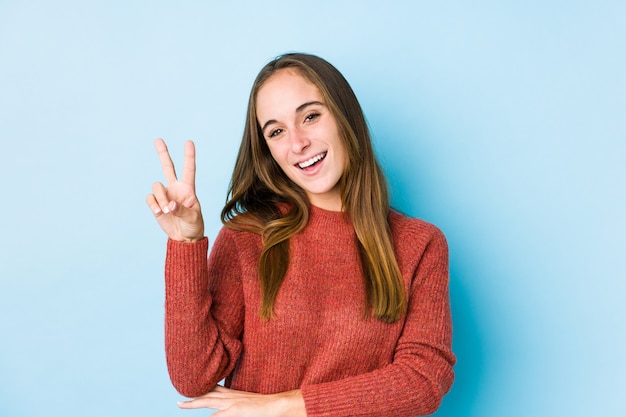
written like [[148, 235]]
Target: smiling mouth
[[312, 161]]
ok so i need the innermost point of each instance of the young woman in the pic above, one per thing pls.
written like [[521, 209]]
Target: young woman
[[317, 298]]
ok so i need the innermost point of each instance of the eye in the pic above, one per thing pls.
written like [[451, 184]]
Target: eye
[[311, 116], [275, 133]]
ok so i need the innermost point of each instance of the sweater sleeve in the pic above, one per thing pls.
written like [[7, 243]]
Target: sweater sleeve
[[202, 334], [421, 370]]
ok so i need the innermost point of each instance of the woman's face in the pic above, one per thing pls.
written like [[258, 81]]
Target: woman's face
[[302, 136]]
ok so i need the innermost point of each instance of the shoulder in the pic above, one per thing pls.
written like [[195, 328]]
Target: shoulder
[[233, 243], [235, 237], [413, 231], [421, 248], [234, 250]]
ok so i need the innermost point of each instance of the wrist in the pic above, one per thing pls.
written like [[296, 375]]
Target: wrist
[[192, 240], [184, 240]]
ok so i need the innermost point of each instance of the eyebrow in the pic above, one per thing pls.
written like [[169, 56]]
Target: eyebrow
[[298, 110]]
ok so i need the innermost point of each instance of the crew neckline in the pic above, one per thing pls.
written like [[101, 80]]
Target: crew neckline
[[330, 216], [317, 208]]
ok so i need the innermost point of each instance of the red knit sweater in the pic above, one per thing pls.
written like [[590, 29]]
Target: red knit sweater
[[346, 363]]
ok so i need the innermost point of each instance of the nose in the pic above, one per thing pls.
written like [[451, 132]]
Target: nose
[[299, 140]]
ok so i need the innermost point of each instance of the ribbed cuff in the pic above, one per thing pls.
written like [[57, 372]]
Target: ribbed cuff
[[186, 266]]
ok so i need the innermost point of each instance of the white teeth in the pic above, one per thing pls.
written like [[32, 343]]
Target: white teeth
[[311, 161]]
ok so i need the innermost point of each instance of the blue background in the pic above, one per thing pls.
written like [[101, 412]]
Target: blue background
[[501, 122]]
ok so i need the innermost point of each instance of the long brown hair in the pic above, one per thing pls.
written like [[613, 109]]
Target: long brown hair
[[259, 192]]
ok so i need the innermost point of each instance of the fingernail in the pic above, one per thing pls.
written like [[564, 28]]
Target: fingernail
[[166, 209], [156, 211]]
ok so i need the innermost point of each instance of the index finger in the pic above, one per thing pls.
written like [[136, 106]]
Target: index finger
[[189, 164], [166, 161]]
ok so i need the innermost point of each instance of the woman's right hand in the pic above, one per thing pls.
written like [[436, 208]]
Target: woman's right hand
[[176, 206]]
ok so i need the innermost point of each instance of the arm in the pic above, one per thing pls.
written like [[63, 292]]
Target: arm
[[201, 334], [200, 349], [421, 369]]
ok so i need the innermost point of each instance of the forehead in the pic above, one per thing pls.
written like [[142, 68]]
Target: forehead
[[285, 91]]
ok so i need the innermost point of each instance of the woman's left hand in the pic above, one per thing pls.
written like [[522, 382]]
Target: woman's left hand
[[233, 403]]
